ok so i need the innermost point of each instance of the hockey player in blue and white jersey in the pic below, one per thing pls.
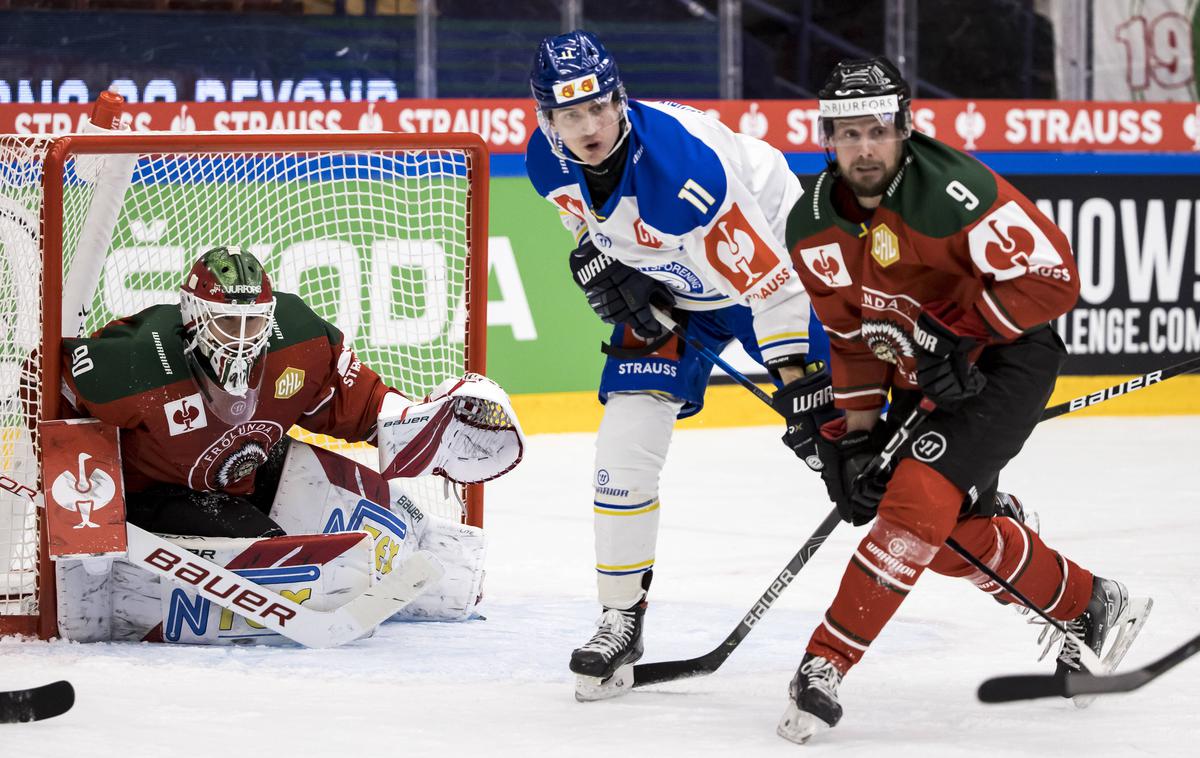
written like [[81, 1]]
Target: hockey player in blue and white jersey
[[670, 209]]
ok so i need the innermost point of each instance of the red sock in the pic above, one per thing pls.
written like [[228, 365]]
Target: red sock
[[1015, 552], [916, 513]]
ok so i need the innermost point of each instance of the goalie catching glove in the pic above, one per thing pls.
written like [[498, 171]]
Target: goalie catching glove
[[466, 431]]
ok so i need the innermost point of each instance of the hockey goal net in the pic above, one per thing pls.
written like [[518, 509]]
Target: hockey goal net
[[383, 235]]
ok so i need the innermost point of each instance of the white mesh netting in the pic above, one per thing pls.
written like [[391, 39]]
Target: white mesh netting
[[374, 241]]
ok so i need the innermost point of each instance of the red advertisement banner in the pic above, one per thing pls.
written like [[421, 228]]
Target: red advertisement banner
[[790, 125]]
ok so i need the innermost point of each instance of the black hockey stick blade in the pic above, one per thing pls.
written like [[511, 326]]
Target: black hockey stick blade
[[669, 671], [1004, 689], [36, 703]]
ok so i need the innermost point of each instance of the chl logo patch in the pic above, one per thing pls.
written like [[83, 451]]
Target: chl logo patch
[[289, 383], [827, 263], [885, 245], [185, 415], [929, 447], [737, 252]]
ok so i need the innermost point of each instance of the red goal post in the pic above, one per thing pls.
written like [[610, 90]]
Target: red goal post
[[383, 234]]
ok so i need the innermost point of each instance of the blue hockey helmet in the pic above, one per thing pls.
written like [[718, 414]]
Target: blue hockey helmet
[[572, 68]]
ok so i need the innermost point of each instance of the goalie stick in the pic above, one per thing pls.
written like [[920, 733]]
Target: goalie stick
[[666, 671], [1004, 689], [36, 703], [311, 628]]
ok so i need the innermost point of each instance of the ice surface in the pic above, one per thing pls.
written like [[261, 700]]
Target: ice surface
[[1120, 496]]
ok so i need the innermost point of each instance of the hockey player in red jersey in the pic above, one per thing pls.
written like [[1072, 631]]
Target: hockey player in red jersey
[[204, 394], [934, 277]]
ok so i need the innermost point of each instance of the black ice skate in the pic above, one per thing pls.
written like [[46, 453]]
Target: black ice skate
[[812, 700], [1111, 620], [1009, 505], [604, 666]]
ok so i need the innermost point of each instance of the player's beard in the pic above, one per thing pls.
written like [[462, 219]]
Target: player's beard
[[870, 188]]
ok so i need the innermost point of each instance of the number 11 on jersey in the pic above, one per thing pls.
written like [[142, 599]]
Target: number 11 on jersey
[[696, 195]]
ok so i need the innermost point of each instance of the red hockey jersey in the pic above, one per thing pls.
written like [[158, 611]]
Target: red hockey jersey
[[132, 373], [948, 228]]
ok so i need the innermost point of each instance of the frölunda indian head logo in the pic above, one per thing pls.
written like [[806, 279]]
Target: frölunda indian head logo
[[235, 455]]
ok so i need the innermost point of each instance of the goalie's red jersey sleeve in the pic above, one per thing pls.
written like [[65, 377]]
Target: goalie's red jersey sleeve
[[347, 405]]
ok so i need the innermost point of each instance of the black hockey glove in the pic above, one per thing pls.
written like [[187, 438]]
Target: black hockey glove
[[619, 294], [844, 456], [944, 340], [806, 403]]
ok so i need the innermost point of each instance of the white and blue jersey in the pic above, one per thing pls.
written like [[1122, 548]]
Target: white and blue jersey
[[703, 210]]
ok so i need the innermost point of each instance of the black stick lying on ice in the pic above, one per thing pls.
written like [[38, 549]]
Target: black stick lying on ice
[[36, 703]]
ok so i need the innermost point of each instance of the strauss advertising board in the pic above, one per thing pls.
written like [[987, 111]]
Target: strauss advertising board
[[1116, 177]]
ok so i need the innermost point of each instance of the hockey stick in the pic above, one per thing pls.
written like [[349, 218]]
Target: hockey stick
[[1124, 388], [311, 628], [36, 703], [665, 671], [1004, 689], [665, 319]]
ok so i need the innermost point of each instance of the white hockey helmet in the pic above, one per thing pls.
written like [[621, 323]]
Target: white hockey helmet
[[228, 310]]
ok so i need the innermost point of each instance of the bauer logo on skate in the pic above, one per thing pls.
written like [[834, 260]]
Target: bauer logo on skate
[[1007, 243], [737, 253], [827, 264]]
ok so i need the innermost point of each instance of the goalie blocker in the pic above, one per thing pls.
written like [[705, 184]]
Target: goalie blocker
[[351, 535]]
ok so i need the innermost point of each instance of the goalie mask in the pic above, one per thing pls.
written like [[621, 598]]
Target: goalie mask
[[572, 70], [858, 88], [228, 311]]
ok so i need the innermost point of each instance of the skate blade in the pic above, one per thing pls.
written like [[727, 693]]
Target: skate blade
[[590, 688], [799, 726], [1128, 626]]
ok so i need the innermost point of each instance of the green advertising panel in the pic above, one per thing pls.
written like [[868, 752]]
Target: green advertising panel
[[542, 336]]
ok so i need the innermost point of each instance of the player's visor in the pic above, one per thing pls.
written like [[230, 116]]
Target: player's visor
[[586, 119], [843, 133]]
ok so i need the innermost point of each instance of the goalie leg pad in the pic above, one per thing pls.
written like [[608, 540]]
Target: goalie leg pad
[[631, 449], [461, 549], [321, 572], [85, 608]]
